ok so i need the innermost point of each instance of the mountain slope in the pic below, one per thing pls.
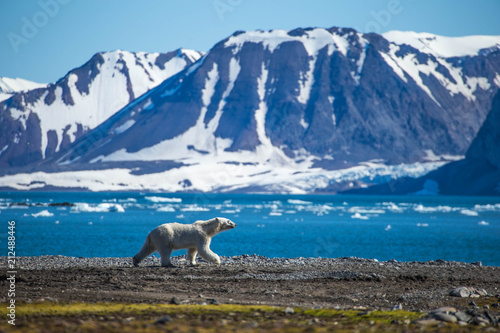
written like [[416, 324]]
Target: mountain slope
[[37, 123], [340, 95], [292, 111], [477, 174]]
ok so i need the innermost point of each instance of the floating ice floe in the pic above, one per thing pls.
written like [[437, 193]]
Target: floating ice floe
[[128, 200], [320, 210], [483, 223], [438, 209], [43, 213], [469, 212], [391, 206], [388, 227], [163, 199], [424, 225], [357, 215], [100, 208], [230, 211], [195, 208], [488, 207], [363, 210], [298, 202], [167, 209]]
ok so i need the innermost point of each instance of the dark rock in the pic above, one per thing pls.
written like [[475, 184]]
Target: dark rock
[[61, 204], [175, 301], [21, 204], [163, 320], [479, 320], [487, 315]]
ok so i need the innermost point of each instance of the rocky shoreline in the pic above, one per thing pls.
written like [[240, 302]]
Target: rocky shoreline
[[59, 261], [444, 292]]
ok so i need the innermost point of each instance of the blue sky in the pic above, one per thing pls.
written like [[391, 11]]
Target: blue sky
[[41, 40]]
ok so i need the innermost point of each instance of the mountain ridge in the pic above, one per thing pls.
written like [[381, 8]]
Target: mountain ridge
[[54, 116], [10, 86]]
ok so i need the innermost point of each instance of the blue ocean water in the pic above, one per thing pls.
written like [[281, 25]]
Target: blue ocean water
[[394, 227]]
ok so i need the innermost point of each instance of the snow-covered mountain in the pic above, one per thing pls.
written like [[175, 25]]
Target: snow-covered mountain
[[39, 122], [9, 86], [291, 111]]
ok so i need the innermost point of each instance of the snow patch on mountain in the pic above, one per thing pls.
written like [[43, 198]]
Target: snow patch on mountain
[[497, 80], [125, 126], [192, 55], [409, 65], [209, 90], [445, 47], [260, 113], [312, 39], [441, 49]]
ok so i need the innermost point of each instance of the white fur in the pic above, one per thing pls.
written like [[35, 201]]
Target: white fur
[[195, 237]]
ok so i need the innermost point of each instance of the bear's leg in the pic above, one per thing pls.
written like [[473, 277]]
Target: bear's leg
[[165, 253], [147, 249], [192, 256], [209, 255]]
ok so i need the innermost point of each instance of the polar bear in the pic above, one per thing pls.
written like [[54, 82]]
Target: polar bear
[[195, 237]]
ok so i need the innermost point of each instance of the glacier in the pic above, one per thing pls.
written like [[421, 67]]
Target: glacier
[[214, 175]]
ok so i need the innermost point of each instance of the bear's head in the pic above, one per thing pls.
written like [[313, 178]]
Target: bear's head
[[213, 226], [225, 224]]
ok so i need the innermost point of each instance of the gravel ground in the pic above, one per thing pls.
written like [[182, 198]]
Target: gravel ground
[[342, 283]]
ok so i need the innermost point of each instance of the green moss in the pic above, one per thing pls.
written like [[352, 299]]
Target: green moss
[[102, 309], [125, 317], [355, 316]]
